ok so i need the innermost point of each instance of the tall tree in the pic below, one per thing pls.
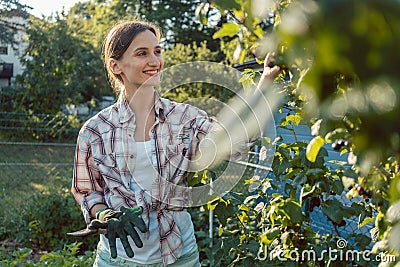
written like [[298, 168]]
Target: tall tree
[[60, 68], [8, 28], [92, 19], [176, 18], [178, 21]]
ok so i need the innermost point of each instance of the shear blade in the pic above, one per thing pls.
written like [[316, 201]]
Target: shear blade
[[86, 232], [83, 232]]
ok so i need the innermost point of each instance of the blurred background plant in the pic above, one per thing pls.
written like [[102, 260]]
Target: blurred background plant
[[339, 63]]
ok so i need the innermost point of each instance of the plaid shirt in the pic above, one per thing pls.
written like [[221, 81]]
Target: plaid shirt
[[105, 160]]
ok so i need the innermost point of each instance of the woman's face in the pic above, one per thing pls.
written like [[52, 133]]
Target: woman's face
[[140, 62]]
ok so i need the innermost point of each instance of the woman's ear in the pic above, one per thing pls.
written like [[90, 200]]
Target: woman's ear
[[114, 67]]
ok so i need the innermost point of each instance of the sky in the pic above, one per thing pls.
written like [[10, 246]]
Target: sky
[[46, 7]]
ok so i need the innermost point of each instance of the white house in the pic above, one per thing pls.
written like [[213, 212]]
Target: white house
[[10, 64]]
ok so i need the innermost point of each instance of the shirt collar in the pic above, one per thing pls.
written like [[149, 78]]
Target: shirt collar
[[162, 107], [159, 106], [125, 113]]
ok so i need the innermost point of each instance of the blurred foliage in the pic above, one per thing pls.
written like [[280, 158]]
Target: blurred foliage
[[339, 62], [353, 78]]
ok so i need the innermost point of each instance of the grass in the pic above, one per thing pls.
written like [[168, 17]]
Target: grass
[[27, 168]]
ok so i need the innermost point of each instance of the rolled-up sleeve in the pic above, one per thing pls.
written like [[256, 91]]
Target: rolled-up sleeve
[[204, 123], [86, 187], [222, 142]]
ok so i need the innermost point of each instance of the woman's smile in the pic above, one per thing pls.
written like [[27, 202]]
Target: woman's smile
[[152, 72]]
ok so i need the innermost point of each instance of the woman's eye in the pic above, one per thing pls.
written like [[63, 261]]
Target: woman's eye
[[158, 52], [141, 53]]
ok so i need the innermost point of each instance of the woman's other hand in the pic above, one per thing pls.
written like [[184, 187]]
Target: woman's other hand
[[270, 70]]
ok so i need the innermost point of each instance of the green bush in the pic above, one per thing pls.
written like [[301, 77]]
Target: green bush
[[44, 221], [66, 257]]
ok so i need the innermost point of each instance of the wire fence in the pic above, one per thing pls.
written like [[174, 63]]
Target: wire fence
[[29, 169], [30, 159], [25, 127]]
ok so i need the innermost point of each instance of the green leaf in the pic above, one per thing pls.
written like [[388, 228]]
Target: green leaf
[[394, 189], [247, 79], [365, 222], [293, 211], [315, 172], [332, 209], [272, 233], [299, 179], [284, 151], [313, 148], [252, 246], [294, 172], [228, 29], [212, 204], [243, 207], [362, 240], [234, 197], [350, 173], [308, 191], [337, 186], [348, 211], [283, 166], [323, 186], [292, 118], [194, 178], [223, 212]]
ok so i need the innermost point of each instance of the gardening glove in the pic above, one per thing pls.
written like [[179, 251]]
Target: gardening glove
[[98, 225], [120, 225], [103, 215]]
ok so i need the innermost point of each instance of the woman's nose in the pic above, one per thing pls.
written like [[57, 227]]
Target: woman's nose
[[154, 61]]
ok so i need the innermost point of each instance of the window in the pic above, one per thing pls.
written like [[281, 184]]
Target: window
[[3, 50]]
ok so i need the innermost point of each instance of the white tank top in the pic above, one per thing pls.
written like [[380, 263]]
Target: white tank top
[[143, 173]]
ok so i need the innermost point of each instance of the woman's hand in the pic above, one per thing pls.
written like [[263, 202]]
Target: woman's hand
[[269, 72]]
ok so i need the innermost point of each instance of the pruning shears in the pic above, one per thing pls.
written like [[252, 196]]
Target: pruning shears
[[87, 231]]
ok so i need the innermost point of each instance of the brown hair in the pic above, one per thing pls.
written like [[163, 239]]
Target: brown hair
[[117, 42]]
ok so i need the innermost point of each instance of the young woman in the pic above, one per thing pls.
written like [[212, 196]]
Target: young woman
[[126, 157]]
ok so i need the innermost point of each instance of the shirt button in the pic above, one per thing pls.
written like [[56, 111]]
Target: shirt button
[[140, 199], [131, 156], [152, 130]]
